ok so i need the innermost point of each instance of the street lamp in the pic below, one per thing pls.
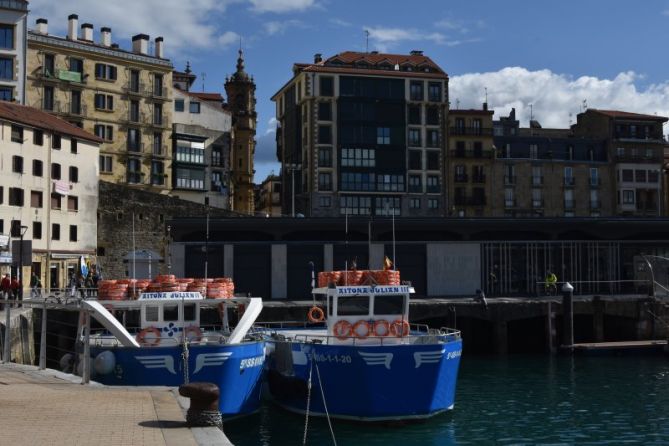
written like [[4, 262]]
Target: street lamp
[[24, 229]]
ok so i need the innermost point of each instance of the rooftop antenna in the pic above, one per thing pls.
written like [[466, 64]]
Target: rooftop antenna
[[366, 41], [486, 94], [584, 106], [531, 112], [570, 119], [457, 104], [204, 76]]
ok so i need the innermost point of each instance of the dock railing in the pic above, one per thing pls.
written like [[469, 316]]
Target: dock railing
[[610, 287]]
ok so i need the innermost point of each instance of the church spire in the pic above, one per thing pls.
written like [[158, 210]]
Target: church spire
[[240, 61]]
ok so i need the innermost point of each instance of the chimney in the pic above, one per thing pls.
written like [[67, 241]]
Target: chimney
[[417, 53], [318, 57], [114, 46], [42, 26], [105, 33], [158, 48], [140, 44], [72, 22], [87, 32], [485, 106]]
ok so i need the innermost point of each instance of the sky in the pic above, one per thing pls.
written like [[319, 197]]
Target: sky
[[551, 59]]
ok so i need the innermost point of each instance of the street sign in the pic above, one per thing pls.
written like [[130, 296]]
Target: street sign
[[26, 252]]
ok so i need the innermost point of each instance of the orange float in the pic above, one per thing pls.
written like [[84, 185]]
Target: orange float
[[152, 342], [342, 329]]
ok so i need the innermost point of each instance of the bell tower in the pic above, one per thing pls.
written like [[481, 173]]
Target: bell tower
[[240, 90]]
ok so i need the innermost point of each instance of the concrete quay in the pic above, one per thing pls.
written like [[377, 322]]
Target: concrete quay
[[50, 407]]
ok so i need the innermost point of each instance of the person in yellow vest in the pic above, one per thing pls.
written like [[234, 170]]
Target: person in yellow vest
[[551, 283]]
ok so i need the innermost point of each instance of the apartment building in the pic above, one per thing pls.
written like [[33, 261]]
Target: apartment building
[[363, 134], [470, 162], [201, 138], [542, 172], [123, 97], [48, 190], [269, 197], [13, 26], [635, 145]]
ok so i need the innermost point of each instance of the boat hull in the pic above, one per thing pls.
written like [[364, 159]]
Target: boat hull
[[366, 383], [236, 369]]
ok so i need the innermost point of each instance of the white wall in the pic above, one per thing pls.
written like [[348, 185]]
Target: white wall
[[453, 269], [18, 19], [210, 117]]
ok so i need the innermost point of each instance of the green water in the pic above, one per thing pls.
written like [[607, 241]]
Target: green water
[[509, 401]]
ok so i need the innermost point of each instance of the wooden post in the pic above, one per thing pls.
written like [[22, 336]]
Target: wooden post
[[42, 342]]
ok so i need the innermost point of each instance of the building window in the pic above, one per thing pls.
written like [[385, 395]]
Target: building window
[[383, 135], [56, 201], [134, 111], [640, 176], [357, 181], [387, 206], [158, 85], [653, 176], [415, 184], [49, 65], [390, 183], [38, 168], [628, 196], [7, 36], [157, 173], [55, 141], [36, 199], [355, 205], [178, 105], [434, 92], [414, 137], [15, 229], [628, 175], [594, 176], [324, 134], [55, 171], [17, 164], [433, 203], [432, 138], [15, 196], [134, 81], [569, 199], [187, 154], [134, 140], [17, 133], [38, 137], [158, 143], [37, 230], [509, 198], [194, 107], [534, 151], [216, 155], [104, 102], [190, 179], [358, 157], [414, 114], [325, 111], [105, 72], [6, 94], [72, 203], [74, 174], [134, 171], [76, 65], [106, 163], [73, 145], [537, 198], [157, 114], [326, 86], [105, 132], [325, 201], [568, 176], [73, 233], [47, 100], [75, 102], [416, 91], [7, 68], [594, 199], [414, 203], [433, 184], [325, 156], [324, 181], [432, 160], [415, 160]]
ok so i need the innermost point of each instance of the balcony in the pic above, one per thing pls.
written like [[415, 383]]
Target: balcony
[[134, 88], [156, 92], [159, 150], [655, 158], [478, 178], [538, 204], [569, 204], [474, 153], [159, 121], [569, 181], [71, 76], [76, 110], [135, 146], [470, 131], [460, 178], [639, 136], [509, 180]]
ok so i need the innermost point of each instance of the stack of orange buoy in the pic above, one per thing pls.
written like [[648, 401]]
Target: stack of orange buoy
[[362, 277], [212, 288], [112, 290], [325, 278], [198, 286]]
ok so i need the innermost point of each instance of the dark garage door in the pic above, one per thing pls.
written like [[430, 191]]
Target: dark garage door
[[410, 260], [195, 258], [299, 271], [346, 253], [252, 270]]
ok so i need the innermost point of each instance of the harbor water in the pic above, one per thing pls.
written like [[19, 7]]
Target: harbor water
[[514, 400]]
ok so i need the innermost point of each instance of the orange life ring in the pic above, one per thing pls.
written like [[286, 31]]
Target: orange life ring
[[381, 323], [358, 324], [399, 327], [194, 330], [152, 342], [342, 329], [315, 315]]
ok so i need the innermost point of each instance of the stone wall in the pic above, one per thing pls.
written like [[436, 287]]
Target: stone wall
[[152, 211]]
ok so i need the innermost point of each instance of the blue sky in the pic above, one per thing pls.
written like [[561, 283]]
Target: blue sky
[[553, 55]]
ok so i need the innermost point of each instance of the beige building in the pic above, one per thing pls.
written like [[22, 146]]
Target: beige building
[[48, 192], [269, 197], [124, 97], [13, 21]]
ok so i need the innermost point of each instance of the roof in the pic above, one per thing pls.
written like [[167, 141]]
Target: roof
[[33, 117], [628, 115], [206, 96], [470, 112]]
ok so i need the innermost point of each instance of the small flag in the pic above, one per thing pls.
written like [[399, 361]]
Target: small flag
[[387, 264]]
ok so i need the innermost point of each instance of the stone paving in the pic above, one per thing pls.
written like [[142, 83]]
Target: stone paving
[[47, 408]]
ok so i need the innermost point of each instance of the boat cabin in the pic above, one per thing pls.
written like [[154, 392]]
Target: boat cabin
[[367, 310], [165, 310]]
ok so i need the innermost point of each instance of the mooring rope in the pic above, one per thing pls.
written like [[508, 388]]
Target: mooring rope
[[306, 421], [184, 358], [327, 415]]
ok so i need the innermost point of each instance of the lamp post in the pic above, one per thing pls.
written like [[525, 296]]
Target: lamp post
[[20, 271]]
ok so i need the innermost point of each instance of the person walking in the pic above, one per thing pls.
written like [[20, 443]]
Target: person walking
[[15, 287], [35, 286], [551, 283]]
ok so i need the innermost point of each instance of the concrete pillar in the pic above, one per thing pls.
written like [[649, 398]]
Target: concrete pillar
[[500, 337], [376, 256], [178, 259], [328, 257], [644, 324], [598, 318], [229, 261], [279, 271], [568, 315]]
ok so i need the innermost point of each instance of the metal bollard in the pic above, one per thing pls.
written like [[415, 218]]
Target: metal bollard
[[42, 345], [203, 410], [568, 315]]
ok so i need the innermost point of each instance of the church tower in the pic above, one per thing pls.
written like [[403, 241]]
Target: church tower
[[241, 89]]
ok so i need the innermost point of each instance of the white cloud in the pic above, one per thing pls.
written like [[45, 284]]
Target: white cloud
[[228, 38], [281, 5], [554, 96], [271, 125], [184, 24], [452, 25], [386, 38], [276, 27], [340, 22]]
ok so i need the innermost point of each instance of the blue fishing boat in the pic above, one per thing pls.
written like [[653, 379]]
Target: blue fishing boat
[[366, 362], [161, 339]]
